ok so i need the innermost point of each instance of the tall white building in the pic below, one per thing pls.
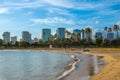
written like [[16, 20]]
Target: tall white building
[[6, 37], [14, 39], [26, 36], [82, 34]]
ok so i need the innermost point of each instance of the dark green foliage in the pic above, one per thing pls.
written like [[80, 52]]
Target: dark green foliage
[[98, 42], [1, 42], [61, 43]]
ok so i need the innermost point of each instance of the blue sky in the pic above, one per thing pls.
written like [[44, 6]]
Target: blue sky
[[33, 15]]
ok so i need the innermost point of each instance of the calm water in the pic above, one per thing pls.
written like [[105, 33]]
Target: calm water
[[31, 65]]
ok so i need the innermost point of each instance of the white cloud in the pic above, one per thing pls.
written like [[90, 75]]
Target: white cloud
[[59, 11], [70, 29], [3, 10], [107, 12], [59, 3], [23, 4], [54, 20], [29, 13], [96, 22], [96, 17], [73, 4]]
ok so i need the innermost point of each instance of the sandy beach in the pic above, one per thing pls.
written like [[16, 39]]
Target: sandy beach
[[111, 55], [112, 70]]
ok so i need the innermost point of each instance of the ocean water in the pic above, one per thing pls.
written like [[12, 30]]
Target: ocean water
[[31, 65]]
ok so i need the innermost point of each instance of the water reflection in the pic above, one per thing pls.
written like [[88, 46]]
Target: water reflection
[[97, 64], [31, 65]]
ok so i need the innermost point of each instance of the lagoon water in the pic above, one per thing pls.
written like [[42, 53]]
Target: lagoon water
[[31, 65]]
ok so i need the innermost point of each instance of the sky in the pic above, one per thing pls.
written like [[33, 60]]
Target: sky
[[34, 15]]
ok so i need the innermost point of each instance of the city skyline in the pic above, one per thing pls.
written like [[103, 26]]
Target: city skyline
[[61, 33], [34, 15]]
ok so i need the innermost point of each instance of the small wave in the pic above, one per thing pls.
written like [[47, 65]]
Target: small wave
[[69, 68]]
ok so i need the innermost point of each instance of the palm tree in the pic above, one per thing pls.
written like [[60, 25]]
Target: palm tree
[[116, 28], [68, 33], [88, 36], [88, 31], [109, 29], [53, 37], [106, 28]]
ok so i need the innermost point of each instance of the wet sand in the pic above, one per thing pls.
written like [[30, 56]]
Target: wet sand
[[87, 67], [112, 69], [69, 68]]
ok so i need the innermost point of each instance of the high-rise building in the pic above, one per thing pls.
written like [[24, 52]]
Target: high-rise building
[[46, 34], [6, 37], [98, 34], [110, 36], [26, 36], [82, 34], [76, 31], [14, 39], [76, 34], [60, 33]]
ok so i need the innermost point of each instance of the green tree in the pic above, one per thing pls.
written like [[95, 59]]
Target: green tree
[[68, 33], [88, 31], [109, 29], [16, 44], [98, 41], [106, 43], [8, 45], [40, 43], [1, 42], [78, 36], [53, 37], [24, 44], [88, 36]]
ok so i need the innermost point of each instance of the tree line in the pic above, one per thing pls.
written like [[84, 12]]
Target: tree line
[[74, 42]]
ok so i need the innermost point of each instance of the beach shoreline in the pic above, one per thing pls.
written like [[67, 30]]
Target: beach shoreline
[[70, 67], [111, 55], [112, 70]]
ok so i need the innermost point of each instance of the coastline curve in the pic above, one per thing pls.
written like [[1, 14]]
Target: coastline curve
[[69, 68]]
